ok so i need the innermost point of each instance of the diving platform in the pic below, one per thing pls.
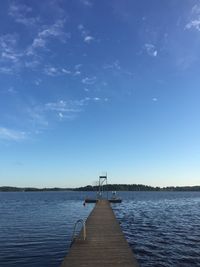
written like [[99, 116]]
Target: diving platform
[[103, 194], [101, 242]]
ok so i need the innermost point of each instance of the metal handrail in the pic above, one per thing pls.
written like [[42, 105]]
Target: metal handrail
[[83, 228]]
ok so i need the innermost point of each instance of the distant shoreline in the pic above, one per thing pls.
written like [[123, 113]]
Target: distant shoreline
[[109, 187]]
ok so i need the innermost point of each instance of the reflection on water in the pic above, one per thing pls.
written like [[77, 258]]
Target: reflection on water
[[162, 228]]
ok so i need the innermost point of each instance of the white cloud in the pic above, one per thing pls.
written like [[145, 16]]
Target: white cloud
[[8, 48], [116, 68], [31, 63], [6, 70], [151, 50], [194, 22], [11, 90], [89, 80], [22, 14], [77, 66], [51, 71], [12, 135], [60, 115], [88, 39], [8, 41], [63, 106], [86, 3], [83, 30], [77, 73], [37, 42], [37, 117], [155, 99], [80, 27], [115, 65], [38, 82], [66, 71], [55, 71], [66, 109], [11, 58], [55, 31], [14, 57]]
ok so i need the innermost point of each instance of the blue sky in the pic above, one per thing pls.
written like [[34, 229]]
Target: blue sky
[[90, 86]]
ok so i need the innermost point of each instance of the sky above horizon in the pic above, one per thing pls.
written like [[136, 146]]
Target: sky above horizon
[[91, 86]]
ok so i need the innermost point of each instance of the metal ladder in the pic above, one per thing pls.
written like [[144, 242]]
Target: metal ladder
[[74, 235]]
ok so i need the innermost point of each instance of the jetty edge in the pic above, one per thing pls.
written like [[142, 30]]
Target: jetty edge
[[105, 244]]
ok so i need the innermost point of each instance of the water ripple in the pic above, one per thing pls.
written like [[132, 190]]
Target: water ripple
[[162, 228], [162, 231]]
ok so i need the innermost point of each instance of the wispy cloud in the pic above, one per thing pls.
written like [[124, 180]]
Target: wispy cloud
[[12, 58], [194, 24], [38, 82], [194, 21], [151, 50], [66, 109], [82, 29], [55, 31], [22, 14], [78, 66], [116, 69], [6, 70], [8, 48], [115, 65], [57, 71], [66, 71], [52, 71], [38, 118], [64, 106], [87, 3], [77, 73], [12, 90], [12, 135], [89, 80], [87, 37]]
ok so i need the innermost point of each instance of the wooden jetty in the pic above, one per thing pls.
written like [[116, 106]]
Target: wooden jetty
[[105, 244]]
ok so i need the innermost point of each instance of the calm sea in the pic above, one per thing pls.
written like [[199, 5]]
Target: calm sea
[[162, 228]]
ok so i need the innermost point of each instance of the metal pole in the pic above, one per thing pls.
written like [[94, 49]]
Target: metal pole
[[107, 185], [84, 231]]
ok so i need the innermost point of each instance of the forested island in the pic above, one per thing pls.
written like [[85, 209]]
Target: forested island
[[109, 187]]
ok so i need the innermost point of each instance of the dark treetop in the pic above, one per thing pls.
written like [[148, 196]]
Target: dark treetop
[[109, 187]]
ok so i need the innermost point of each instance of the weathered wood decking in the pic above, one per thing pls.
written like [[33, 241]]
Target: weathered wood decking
[[105, 244]]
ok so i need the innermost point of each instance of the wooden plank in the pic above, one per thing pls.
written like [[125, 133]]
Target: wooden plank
[[105, 244]]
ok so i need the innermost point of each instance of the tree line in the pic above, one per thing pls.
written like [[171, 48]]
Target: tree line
[[109, 187]]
